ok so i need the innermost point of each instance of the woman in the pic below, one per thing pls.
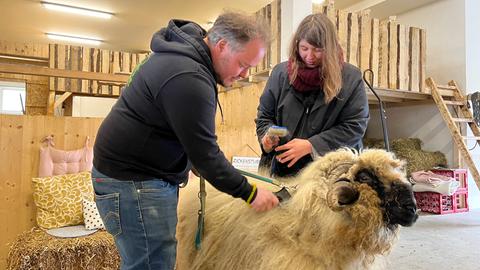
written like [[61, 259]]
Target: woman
[[320, 100]]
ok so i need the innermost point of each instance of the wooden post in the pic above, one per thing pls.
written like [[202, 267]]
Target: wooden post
[[60, 65], [52, 64], [423, 61], [365, 40], [116, 69], [342, 28], [85, 88], [383, 61], [392, 55], [374, 56], [414, 66], [353, 39], [105, 65], [403, 57], [95, 68]]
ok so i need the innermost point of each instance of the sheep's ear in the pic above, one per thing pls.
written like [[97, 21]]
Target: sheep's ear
[[396, 163]]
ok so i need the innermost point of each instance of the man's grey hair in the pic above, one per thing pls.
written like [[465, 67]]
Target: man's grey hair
[[237, 29]]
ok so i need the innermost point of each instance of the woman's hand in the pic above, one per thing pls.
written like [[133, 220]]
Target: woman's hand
[[294, 150], [269, 142]]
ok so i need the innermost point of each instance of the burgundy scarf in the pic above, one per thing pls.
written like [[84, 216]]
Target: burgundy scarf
[[308, 79]]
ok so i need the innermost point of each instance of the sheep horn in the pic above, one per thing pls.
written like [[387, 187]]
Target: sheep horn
[[342, 194]]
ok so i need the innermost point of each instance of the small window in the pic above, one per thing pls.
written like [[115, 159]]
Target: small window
[[12, 97]]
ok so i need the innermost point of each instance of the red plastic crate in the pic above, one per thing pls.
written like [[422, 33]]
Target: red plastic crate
[[445, 204]]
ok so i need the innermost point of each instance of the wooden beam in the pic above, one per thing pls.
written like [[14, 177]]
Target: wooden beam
[[61, 99], [61, 73], [51, 102]]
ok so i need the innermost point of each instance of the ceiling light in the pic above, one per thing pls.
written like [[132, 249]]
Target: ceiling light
[[77, 10], [86, 40], [318, 1]]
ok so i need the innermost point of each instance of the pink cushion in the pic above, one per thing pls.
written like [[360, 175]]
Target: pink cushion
[[58, 162]]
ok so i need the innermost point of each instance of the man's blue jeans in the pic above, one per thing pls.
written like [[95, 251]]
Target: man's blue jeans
[[142, 217]]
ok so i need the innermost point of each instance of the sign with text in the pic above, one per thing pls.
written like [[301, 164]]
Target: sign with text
[[246, 163]]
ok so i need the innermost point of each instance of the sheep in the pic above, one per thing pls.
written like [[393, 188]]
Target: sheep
[[346, 210]]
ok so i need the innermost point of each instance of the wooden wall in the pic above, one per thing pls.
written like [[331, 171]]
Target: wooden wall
[[20, 141], [37, 87], [236, 134], [20, 138], [271, 14], [93, 60], [396, 53]]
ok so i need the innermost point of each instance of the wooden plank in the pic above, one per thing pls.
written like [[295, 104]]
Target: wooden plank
[[52, 64], [61, 73], [68, 66], [462, 120], [392, 55], [342, 30], [95, 68], [330, 10], [75, 64], [11, 155], [60, 58], [365, 40], [61, 99], [85, 67], [115, 69], [125, 62], [455, 102], [383, 56], [375, 54], [51, 103], [403, 57], [414, 66], [275, 34], [105, 68], [352, 54], [423, 61]]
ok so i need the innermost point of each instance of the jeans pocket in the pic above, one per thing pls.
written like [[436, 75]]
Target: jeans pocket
[[108, 207]]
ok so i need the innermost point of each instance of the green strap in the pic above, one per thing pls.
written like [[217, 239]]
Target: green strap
[[261, 178], [201, 214]]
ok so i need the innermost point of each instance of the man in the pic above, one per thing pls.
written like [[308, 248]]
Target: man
[[164, 122]]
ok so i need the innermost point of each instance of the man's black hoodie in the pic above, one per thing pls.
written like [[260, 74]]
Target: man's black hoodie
[[165, 117]]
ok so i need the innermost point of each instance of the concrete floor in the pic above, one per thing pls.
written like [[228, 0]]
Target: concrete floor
[[450, 241]]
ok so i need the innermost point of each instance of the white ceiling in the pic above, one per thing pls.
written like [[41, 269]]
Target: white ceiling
[[136, 20], [130, 29]]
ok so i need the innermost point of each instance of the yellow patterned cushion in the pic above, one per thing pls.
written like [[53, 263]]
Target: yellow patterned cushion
[[59, 199]]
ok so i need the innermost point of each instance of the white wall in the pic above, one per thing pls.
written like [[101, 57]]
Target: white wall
[[472, 60], [292, 13], [445, 62], [92, 106], [452, 53]]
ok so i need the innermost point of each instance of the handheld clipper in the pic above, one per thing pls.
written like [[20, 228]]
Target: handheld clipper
[[277, 131]]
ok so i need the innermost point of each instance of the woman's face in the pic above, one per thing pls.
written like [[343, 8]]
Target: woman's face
[[311, 56]]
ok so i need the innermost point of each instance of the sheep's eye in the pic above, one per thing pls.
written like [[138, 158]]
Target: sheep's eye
[[364, 177]]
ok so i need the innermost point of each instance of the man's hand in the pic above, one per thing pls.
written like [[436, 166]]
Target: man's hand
[[264, 201], [269, 142], [294, 150]]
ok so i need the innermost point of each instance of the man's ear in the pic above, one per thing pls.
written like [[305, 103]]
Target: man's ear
[[221, 45]]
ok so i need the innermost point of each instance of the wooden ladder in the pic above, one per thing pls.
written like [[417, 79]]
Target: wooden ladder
[[442, 95]]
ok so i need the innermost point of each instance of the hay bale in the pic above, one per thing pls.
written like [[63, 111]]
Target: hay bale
[[36, 249], [410, 150]]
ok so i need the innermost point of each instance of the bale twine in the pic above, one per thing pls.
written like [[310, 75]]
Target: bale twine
[[36, 249]]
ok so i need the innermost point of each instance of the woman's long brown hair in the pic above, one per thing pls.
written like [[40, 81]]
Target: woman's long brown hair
[[319, 31]]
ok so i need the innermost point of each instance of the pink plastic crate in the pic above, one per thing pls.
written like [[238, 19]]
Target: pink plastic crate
[[444, 204]]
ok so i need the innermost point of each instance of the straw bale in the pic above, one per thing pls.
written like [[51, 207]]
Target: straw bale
[[35, 249]]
